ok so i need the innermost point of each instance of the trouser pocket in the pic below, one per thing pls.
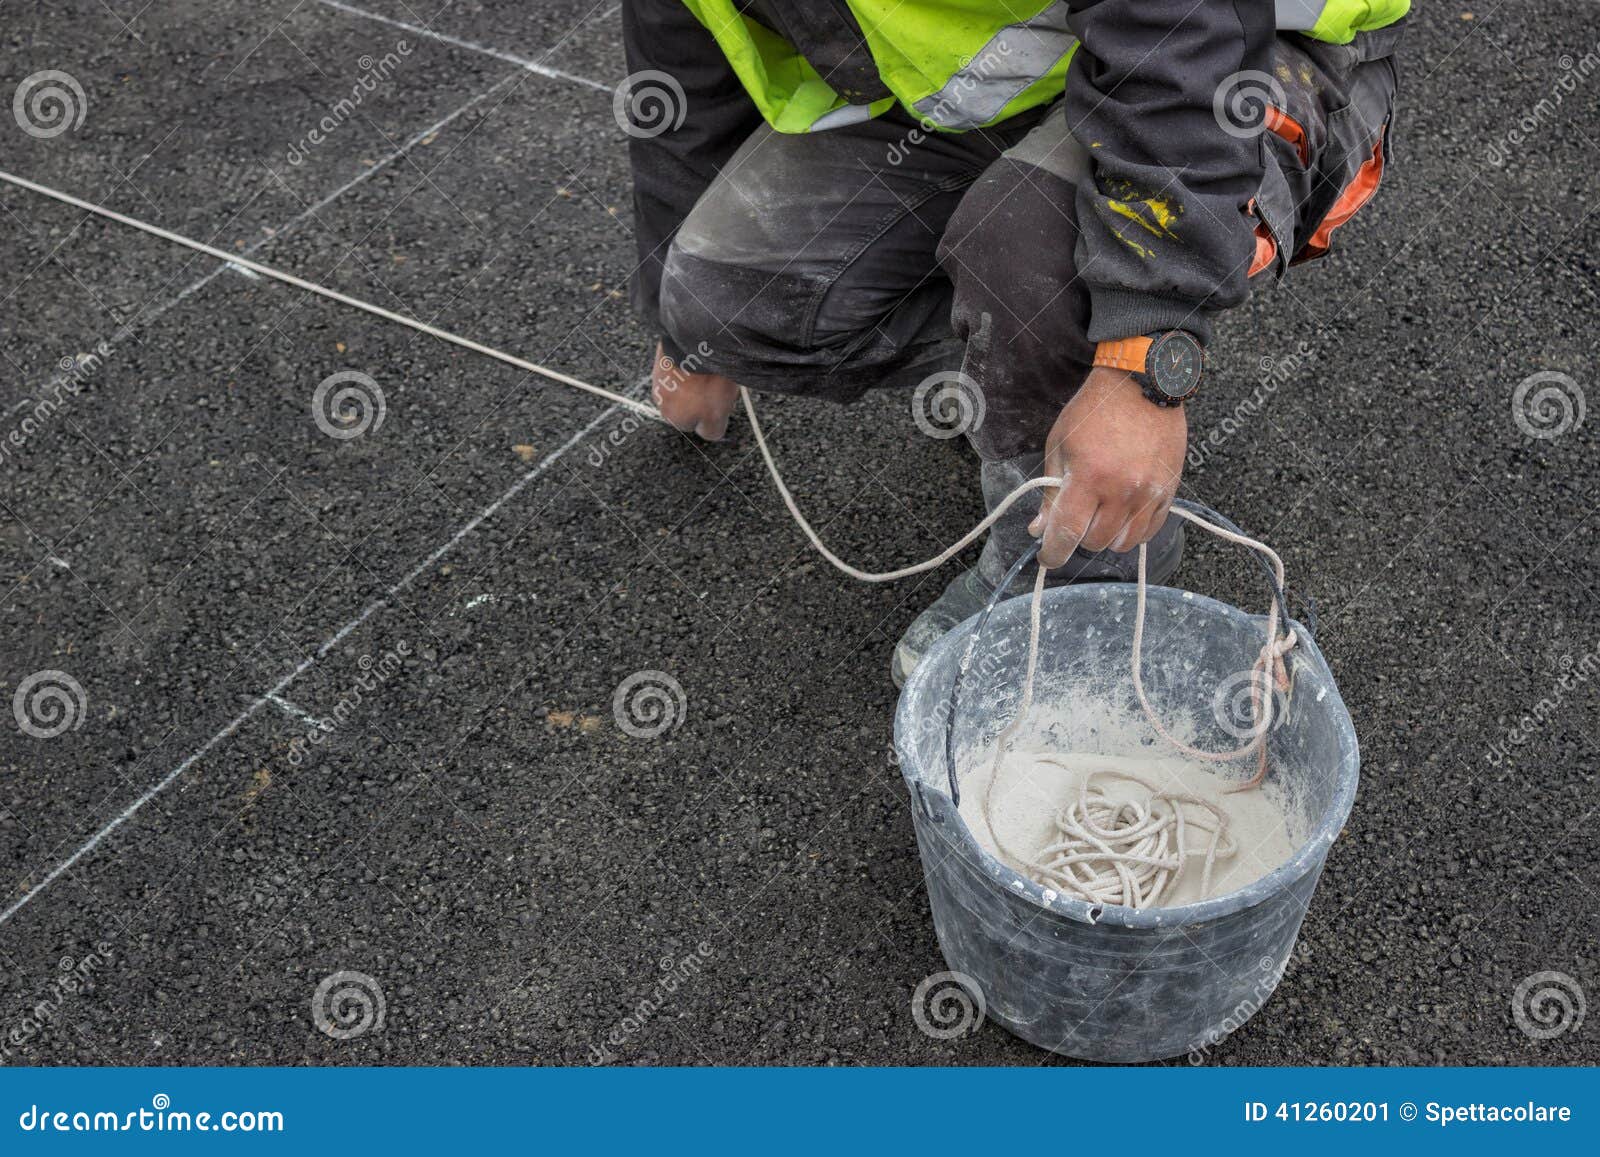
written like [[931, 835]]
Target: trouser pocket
[[1274, 212], [1349, 171]]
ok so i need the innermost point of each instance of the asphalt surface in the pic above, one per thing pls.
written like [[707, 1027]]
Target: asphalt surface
[[478, 835]]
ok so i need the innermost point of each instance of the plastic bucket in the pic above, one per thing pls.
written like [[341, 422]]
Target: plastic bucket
[[1115, 984]]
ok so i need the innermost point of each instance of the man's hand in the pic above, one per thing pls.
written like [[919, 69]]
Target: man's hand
[[1121, 456], [701, 403]]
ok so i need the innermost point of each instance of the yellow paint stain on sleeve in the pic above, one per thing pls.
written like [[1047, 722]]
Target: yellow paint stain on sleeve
[[1147, 254], [1155, 215]]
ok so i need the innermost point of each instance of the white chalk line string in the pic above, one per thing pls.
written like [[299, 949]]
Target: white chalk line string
[[1270, 657], [1269, 660], [331, 294]]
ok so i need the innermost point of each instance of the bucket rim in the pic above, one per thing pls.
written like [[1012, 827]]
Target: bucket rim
[[1308, 856]]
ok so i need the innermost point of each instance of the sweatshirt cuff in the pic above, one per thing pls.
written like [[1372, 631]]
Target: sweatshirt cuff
[[1115, 314]]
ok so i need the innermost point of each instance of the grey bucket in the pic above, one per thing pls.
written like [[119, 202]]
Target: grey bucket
[[1114, 984]]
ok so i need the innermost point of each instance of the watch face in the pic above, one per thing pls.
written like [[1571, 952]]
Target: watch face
[[1174, 364]]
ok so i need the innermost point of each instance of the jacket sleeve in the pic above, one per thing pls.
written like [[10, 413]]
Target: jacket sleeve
[[1164, 238], [688, 120]]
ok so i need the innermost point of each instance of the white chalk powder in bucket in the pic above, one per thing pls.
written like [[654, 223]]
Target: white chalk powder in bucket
[[1029, 794]]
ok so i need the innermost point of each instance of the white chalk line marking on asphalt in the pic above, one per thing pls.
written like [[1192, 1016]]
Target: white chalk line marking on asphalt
[[147, 317], [273, 693], [306, 214], [293, 710], [471, 46], [324, 291]]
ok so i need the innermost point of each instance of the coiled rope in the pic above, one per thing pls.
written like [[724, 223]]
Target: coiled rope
[[1141, 849], [1117, 851], [1127, 853]]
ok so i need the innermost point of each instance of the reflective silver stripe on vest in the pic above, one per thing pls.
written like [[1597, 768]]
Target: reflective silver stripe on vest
[[1299, 15], [850, 114], [1017, 56]]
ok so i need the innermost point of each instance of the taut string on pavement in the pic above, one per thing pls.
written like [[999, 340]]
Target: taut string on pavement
[[1268, 668]]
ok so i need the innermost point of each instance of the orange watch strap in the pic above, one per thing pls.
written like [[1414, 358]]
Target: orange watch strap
[[1129, 353]]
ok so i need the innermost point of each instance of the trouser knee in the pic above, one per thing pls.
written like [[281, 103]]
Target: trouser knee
[[1019, 305]]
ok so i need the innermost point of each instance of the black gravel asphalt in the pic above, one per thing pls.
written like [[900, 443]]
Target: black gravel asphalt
[[466, 585]]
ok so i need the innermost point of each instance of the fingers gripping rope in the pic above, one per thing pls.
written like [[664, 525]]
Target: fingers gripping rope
[[1270, 659], [1111, 851]]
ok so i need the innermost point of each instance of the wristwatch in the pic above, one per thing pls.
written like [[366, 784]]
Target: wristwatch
[[1167, 366]]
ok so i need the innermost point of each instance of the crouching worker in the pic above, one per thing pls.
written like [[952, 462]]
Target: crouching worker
[[1051, 200]]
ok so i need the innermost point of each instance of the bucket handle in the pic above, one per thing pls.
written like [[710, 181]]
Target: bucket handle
[[1198, 509]]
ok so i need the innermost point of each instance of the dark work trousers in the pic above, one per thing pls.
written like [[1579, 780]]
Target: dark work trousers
[[880, 254]]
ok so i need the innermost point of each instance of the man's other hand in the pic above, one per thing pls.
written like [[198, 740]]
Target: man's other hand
[[1121, 456], [698, 403]]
